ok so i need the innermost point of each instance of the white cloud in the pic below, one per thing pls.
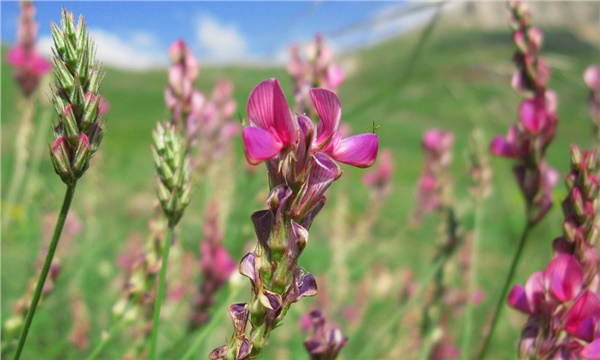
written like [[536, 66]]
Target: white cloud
[[140, 51], [220, 42]]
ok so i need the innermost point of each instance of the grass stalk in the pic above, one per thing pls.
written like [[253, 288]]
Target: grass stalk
[[21, 155], [161, 290], [366, 352], [39, 145], [473, 281], [208, 328], [501, 299], [60, 222]]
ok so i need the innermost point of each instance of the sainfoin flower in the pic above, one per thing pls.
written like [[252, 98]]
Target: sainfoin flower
[[30, 64], [273, 128], [526, 141], [301, 165], [563, 317]]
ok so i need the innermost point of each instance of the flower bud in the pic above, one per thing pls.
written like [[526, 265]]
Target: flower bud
[[82, 159], [59, 153]]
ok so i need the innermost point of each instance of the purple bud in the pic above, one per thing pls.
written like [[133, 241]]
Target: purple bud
[[239, 314], [263, 223], [218, 353], [244, 349], [270, 300], [248, 266]]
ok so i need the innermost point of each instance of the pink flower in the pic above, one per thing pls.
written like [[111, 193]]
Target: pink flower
[[272, 127], [591, 77], [358, 150]]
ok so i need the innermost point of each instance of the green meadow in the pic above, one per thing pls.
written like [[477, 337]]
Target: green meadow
[[444, 77]]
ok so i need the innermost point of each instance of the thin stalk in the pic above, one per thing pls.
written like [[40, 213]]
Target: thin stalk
[[60, 222], [473, 281], [39, 144], [503, 293], [208, 329], [21, 155], [106, 339], [161, 290], [385, 329]]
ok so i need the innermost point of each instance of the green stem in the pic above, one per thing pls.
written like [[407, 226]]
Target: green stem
[[208, 329], [161, 290], [106, 339], [503, 293], [21, 155], [366, 352], [39, 144], [60, 222], [468, 323]]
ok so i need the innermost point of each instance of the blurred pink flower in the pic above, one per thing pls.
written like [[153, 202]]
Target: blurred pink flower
[[30, 65]]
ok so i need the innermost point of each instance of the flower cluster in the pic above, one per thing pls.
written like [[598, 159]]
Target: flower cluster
[[527, 140], [433, 184], [182, 99], [561, 301], [173, 181], [75, 98], [215, 124], [325, 342], [216, 266], [30, 65], [315, 71], [300, 160], [580, 209], [563, 315], [591, 77]]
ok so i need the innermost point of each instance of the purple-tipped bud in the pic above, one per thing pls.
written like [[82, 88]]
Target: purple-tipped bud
[[244, 349], [218, 353], [249, 269], [239, 315], [81, 160], [270, 300], [304, 285], [263, 222], [70, 125], [59, 153]]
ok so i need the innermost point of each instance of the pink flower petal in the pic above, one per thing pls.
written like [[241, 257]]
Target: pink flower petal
[[268, 109], [259, 145], [518, 299], [358, 150], [591, 351], [534, 288], [501, 147], [564, 277], [330, 111], [16, 56], [532, 116], [582, 318], [591, 77]]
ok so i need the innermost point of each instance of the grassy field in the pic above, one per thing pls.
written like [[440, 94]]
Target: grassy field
[[459, 80]]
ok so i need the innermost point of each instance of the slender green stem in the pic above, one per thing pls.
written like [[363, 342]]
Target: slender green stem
[[21, 155], [106, 339], [60, 222], [366, 352], [39, 144], [503, 293], [208, 329], [161, 290], [468, 322]]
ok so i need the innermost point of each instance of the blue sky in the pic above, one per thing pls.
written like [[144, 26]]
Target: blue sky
[[136, 34]]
